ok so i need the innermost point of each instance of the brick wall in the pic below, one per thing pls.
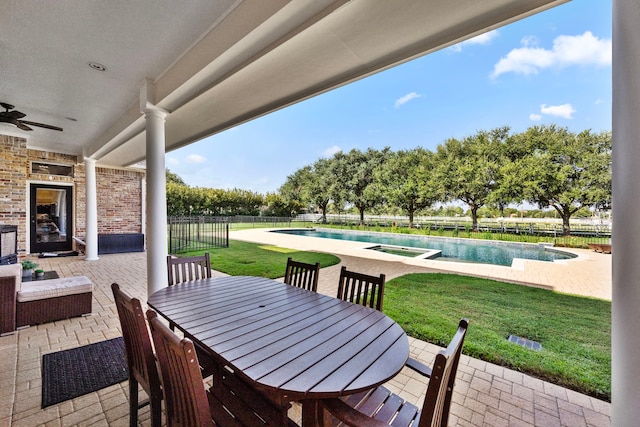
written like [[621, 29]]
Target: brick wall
[[119, 191], [13, 187], [119, 200]]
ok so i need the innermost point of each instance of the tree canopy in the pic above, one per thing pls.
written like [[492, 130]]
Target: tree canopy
[[468, 170], [549, 166], [562, 170], [545, 165], [407, 180]]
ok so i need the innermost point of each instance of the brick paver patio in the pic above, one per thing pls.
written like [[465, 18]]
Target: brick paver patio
[[485, 395]]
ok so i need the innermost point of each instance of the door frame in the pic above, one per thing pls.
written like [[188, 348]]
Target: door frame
[[67, 245]]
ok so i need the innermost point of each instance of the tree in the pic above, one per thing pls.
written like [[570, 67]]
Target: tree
[[178, 199], [173, 178], [320, 184], [276, 205], [468, 170], [353, 178], [406, 181], [295, 188], [564, 170]]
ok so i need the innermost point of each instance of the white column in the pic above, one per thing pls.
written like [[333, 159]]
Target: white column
[[156, 201], [91, 216], [143, 211], [626, 224]]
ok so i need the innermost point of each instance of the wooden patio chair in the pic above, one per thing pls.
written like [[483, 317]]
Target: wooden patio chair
[[379, 407], [302, 275], [140, 357], [185, 396], [361, 288], [185, 269], [188, 268], [229, 402]]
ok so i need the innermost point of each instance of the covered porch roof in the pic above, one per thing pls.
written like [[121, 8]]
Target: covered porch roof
[[210, 65]]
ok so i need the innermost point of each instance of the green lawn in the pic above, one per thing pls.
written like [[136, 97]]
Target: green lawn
[[575, 332], [250, 259]]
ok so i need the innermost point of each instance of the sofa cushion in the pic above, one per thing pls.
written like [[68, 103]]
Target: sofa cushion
[[12, 270], [42, 289]]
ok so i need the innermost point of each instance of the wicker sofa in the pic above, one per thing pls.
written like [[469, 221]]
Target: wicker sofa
[[40, 301]]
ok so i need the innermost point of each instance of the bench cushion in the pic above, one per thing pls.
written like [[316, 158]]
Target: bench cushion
[[43, 289]]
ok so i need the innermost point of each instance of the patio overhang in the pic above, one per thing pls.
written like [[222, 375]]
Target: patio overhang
[[211, 65]]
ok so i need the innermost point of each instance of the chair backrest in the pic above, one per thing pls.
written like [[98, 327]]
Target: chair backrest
[[188, 268], [437, 402], [137, 342], [361, 288], [302, 275], [185, 397]]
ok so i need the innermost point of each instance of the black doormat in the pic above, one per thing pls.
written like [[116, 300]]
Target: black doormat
[[71, 373]]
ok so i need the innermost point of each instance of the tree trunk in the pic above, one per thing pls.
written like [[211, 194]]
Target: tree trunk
[[411, 218], [474, 218], [323, 208], [566, 228], [361, 216], [565, 214]]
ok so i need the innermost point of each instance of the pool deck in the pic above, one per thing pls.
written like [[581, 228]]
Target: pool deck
[[485, 394], [589, 274]]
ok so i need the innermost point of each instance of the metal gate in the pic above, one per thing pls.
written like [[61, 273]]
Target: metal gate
[[195, 233]]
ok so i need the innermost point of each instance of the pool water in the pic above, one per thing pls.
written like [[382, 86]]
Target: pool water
[[460, 250]]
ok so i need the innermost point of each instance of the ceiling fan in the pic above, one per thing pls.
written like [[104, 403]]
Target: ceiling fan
[[13, 117]]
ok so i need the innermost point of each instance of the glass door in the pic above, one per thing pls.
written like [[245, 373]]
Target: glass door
[[51, 218]]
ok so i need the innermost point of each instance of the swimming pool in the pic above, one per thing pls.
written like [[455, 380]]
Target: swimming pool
[[451, 249]]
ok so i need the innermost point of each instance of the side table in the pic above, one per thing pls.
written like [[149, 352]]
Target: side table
[[47, 275]]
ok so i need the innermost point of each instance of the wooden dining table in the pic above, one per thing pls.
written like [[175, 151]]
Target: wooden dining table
[[289, 343]]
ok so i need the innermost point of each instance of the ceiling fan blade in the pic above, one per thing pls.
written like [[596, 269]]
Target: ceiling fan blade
[[22, 125], [41, 125], [13, 114]]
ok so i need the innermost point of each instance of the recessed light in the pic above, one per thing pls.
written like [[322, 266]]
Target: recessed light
[[97, 67]]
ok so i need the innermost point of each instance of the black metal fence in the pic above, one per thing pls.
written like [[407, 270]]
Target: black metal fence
[[189, 233], [261, 221]]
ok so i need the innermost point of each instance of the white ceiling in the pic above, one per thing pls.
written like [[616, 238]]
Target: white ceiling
[[210, 64]]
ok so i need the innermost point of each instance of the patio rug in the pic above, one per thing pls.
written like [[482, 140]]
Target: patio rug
[[71, 373]]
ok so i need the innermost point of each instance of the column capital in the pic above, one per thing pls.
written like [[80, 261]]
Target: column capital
[[154, 111]]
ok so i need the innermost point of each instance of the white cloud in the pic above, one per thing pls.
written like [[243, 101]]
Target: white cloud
[[408, 97], [598, 101], [172, 161], [565, 110], [585, 49], [530, 41], [196, 158], [535, 117], [482, 39], [329, 152]]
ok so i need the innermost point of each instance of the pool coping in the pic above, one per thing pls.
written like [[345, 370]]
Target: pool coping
[[433, 254], [589, 274]]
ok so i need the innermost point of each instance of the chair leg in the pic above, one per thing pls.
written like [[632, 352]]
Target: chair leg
[[133, 402], [156, 411]]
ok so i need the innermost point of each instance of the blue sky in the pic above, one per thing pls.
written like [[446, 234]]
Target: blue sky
[[554, 67]]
